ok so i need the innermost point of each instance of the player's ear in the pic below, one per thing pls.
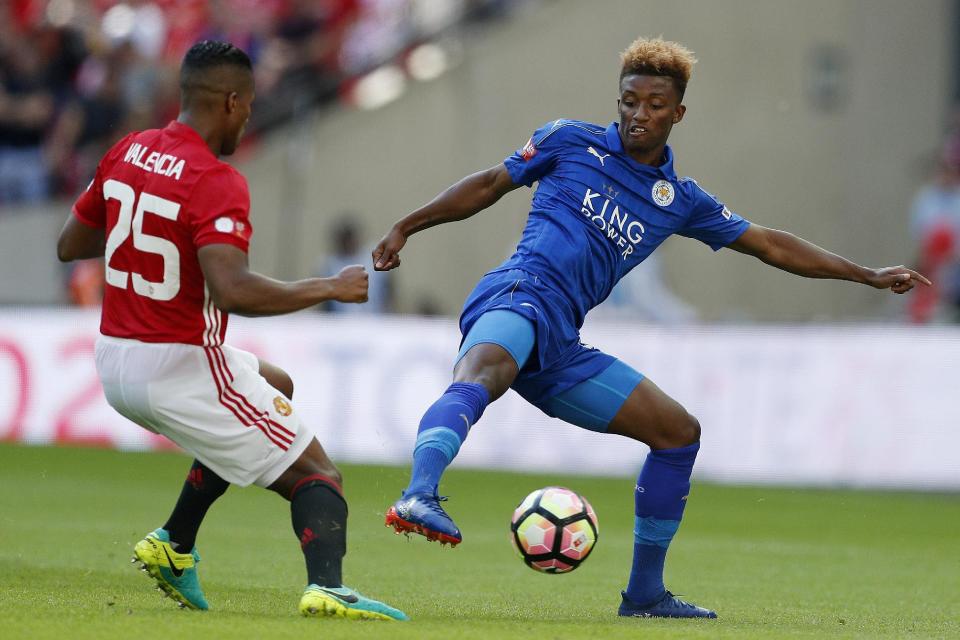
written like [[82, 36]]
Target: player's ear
[[232, 102], [678, 114]]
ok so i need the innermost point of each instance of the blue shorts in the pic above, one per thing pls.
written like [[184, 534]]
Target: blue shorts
[[558, 374]]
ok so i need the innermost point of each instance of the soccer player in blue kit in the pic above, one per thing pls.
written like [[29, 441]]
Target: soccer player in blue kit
[[607, 197]]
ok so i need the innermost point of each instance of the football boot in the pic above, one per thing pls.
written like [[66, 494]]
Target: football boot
[[421, 513], [175, 573], [344, 602], [667, 606]]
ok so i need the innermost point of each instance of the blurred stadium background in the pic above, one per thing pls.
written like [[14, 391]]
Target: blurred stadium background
[[834, 120]]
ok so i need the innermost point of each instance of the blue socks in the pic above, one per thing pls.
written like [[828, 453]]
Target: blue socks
[[661, 495], [443, 429]]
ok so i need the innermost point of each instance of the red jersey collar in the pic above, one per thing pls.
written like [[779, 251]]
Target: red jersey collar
[[186, 131]]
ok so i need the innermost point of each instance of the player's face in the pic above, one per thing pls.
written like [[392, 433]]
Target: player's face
[[649, 107], [237, 118]]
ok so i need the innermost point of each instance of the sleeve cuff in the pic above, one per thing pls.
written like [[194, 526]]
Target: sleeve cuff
[[85, 221], [745, 224], [516, 172], [239, 243]]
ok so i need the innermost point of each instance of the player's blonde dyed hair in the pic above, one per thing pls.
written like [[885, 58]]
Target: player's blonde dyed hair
[[658, 57]]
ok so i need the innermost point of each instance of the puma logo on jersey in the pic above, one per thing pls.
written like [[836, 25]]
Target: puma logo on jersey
[[599, 157]]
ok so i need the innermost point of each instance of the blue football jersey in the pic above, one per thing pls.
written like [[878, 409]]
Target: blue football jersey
[[597, 213]]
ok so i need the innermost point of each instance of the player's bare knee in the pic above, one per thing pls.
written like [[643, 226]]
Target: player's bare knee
[[329, 472], [494, 382], [495, 379], [334, 474], [304, 469], [681, 430], [313, 462], [487, 365], [689, 431], [319, 466]]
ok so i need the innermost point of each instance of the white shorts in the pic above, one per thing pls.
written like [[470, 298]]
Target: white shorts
[[211, 401]]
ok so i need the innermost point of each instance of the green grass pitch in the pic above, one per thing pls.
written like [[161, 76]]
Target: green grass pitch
[[773, 562]]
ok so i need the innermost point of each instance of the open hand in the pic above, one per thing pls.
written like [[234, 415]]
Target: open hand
[[898, 279], [386, 255]]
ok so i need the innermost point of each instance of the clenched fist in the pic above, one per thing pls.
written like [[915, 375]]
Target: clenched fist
[[352, 284], [386, 255]]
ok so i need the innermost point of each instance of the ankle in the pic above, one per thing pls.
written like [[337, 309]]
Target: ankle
[[419, 489]]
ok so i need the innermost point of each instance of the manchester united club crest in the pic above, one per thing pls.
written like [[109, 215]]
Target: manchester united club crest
[[662, 193], [282, 406]]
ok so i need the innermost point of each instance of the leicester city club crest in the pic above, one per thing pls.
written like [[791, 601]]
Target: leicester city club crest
[[662, 193]]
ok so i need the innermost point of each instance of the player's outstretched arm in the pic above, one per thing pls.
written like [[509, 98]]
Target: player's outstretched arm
[[467, 197], [236, 289], [790, 253], [78, 241]]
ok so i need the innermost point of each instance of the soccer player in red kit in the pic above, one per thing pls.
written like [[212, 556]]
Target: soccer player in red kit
[[172, 223]]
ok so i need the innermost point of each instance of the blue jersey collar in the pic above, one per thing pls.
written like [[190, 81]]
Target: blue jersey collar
[[616, 145]]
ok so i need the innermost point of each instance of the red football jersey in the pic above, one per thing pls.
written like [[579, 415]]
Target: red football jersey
[[160, 195]]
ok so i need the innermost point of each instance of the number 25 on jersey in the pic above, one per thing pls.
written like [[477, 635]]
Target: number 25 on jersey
[[128, 221]]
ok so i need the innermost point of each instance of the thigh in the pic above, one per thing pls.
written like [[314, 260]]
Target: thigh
[[510, 331], [622, 401], [494, 350], [594, 403], [654, 418]]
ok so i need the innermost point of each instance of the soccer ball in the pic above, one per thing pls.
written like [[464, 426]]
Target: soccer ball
[[554, 529]]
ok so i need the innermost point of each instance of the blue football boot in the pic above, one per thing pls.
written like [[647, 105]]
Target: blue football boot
[[421, 513], [668, 606]]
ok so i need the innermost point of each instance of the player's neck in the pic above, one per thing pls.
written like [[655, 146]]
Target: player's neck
[[203, 129], [654, 157]]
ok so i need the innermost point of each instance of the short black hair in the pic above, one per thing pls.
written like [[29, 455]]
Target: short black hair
[[209, 54]]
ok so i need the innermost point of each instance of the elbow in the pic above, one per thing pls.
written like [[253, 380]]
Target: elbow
[[225, 302], [233, 301], [229, 289], [230, 306], [63, 252]]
